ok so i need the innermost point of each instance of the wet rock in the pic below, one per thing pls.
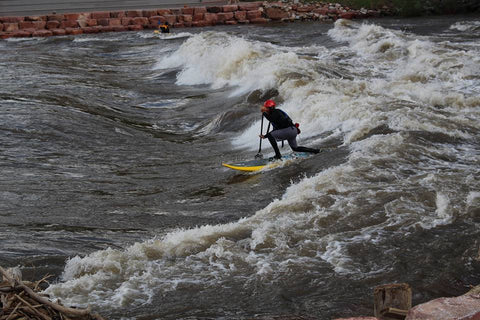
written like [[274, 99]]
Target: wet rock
[[42, 33], [466, 307], [59, 32]]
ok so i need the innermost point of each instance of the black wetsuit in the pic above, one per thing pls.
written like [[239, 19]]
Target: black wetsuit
[[283, 129], [165, 28]]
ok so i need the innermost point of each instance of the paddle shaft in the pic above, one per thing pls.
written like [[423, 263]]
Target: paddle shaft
[[261, 132]]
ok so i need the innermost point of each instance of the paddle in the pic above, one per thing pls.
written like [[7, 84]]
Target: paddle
[[259, 154]]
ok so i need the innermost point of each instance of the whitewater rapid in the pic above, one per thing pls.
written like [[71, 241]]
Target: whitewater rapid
[[406, 106]]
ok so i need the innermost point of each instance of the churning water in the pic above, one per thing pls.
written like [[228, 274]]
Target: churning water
[[111, 176]]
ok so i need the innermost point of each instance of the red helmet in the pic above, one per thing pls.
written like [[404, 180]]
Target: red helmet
[[269, 104]]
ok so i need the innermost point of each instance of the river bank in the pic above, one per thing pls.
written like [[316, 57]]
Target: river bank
[[135, 20]]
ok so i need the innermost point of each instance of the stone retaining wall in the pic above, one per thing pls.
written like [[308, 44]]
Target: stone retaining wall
[[107, 21]]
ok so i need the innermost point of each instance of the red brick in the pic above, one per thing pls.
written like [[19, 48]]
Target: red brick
[[259, 20], [230, 8], [118, 14], [72, 16], [134, 13], [68, 24], [53, 24], [126, 21], [347, 15], [103, 22], [142, 21], [26, 25], [171, 19], [211, 18], [11, 19], [1, 27], [198, 17], [164, 12], [55, 17], [135, 27], [188, 10], [185, 18], [231, 22], [91, 22], [149, 13], [42, 33], [199, 10], [58, 32], [276, 13], [36, 18], [73, 31], [120, 28], [249, 6], [214, 9], [115, 22], [10, 27], [100, 15], [224, 16], [21, 34], [241, 15], [254, 14]]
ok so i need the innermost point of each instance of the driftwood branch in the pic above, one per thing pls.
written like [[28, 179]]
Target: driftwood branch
[[30, 304]]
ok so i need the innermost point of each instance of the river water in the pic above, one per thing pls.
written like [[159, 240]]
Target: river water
[[111, 176]]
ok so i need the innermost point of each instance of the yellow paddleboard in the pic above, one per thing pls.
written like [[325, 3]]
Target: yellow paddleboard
[[259, 164]]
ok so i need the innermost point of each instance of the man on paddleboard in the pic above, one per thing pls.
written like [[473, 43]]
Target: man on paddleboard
[[283, 129]]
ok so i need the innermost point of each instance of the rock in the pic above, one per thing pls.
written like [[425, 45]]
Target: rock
[[58, 32], [224, 16], [134, 13], [200, 10], [358, 318], [1, 27], [114, 22], [198, 17], [230, 8], [170, 18], [254, 14], [118, 14], [185, 18], [10, 27], [276, 13], [55, 17], [187, 10], [73, 31], [214, 9], [11, 19], [347, 15], [259, 20], [42, 33], [466, 307], [241, 15], [164, 12], [142, 21], [68, 24], [149, 13], [53, 24]]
